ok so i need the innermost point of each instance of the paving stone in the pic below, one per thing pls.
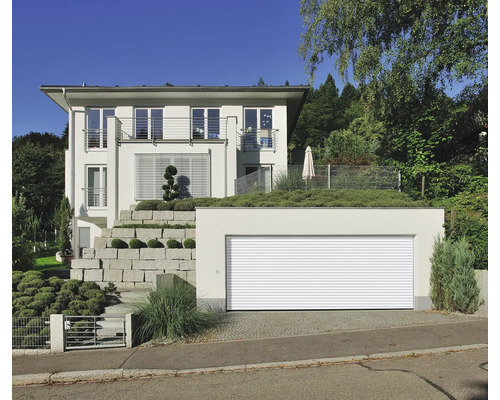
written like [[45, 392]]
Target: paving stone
[[142, 215], [76, 274], [100, 242], [187, 265], [120, 264], [163, 215], [128, 254], [152, 254], [184, 215], [133, 276], [113, 275], [83, 263], [106, 253], [147, 234], [178, 254], [123, 232], [93, 275], [88, 253], [174, 234]]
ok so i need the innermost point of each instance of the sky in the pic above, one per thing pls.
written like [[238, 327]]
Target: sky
[[149, 42]]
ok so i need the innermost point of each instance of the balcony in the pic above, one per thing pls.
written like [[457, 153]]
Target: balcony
[[258, 140], [95, 197], [172, 129], [95, 139]]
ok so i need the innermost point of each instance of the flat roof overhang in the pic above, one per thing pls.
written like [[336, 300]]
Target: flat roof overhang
[[71, 96]]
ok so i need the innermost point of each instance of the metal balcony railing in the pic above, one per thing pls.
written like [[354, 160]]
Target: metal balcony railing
[[171, 129], [95, 197], [95, 139], [258, 139]]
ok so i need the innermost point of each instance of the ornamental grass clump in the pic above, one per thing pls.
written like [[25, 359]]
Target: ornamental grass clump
[[171, 312]]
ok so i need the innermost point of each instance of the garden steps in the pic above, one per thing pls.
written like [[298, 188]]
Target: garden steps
[[136, 269]]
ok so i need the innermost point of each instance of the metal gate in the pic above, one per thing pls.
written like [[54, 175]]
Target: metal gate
[[91, 332]]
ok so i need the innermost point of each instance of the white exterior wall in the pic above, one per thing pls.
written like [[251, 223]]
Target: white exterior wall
[[227, 161], [214, 224]]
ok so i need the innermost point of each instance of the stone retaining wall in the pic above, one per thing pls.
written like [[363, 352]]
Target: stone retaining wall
[[134, 269]]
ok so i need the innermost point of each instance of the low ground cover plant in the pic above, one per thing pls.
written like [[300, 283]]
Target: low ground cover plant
[[170, 312], [299, 198], [34, 296]]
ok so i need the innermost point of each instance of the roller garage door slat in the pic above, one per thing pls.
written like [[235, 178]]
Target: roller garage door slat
[[319, 273]]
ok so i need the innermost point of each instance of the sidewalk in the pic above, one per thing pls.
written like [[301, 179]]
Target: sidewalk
[[249, 354]]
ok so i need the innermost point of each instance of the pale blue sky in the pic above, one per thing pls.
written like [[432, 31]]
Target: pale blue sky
[[149, 42]]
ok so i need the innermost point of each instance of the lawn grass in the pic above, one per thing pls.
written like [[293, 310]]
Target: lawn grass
[[45, 260]]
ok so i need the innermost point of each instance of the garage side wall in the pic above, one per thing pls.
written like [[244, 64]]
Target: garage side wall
[[213, 225]]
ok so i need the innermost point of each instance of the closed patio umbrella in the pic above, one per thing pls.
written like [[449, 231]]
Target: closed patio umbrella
[[308, 171]]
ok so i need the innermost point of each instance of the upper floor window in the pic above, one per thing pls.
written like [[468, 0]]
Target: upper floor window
[[258, 128], [97, 127], [149, 123], [206, 123]]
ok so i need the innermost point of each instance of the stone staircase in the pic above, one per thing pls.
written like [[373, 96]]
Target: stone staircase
[[137, 269]]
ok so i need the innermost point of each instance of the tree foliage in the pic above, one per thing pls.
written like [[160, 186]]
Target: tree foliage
[[38, 173], [395, 44]]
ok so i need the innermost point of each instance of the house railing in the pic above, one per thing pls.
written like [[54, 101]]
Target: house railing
[[95, 197], [172, 129], [91, 332], [95, 139], [258, 140]]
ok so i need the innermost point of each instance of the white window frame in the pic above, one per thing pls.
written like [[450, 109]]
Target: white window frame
[[102, 195], [102, 131], [254, 138], [206, 127], [149, 122]]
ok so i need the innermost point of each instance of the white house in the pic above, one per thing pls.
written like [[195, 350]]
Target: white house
[[122, 138]]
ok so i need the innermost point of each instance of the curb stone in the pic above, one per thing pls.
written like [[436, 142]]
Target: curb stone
[[113, 374]]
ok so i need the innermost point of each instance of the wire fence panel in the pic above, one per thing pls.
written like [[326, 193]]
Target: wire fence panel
[[364, 177], [258, 181], [90, 332], [30, 332]]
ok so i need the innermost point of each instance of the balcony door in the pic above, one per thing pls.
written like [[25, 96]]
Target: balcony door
[[97, 127], [149, 123], [97, 184]]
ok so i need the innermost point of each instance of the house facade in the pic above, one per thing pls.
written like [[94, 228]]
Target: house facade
[[122, 138]]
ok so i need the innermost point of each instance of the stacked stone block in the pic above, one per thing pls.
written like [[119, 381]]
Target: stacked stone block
[[134, 269]]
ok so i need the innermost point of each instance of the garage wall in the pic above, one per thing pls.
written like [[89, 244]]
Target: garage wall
[[213, 225]]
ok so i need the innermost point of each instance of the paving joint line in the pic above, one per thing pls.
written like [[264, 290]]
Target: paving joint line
[[131, 373]]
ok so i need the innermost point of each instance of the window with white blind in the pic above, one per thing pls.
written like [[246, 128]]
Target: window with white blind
[[193, 174]]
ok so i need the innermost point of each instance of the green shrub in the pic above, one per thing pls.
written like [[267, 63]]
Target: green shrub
[[189, 243], [17, 276], [95, 294], [38, 306], [118, 244], [173, 244], [16, 295], [22, 301], [185, 205], [22, 255], [166, 205], [87, 287], [55, 282], [30, 282], [95, 306], [136, 244], [31, 291], [72, 285], [171, 312], [47, 289], [27, 312], [154, 244], [47, 298], [148, 205], [453, 282], [75, 306]]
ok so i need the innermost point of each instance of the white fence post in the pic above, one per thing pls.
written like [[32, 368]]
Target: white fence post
[[129, 333], [57, 333]]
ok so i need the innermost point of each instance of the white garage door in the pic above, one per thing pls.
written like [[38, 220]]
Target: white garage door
[[319, 272]]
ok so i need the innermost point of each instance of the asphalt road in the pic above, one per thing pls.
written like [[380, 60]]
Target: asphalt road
[[458, 375]]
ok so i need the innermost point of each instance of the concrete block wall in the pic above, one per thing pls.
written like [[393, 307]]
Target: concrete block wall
[[136, 269]]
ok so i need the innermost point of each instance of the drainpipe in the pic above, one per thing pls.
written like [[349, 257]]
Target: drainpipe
[[71, 149]]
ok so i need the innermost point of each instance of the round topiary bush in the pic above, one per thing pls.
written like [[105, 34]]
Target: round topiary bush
[[118, 244], [173, 244], [189, 244], [154, 244], [136, 244]]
